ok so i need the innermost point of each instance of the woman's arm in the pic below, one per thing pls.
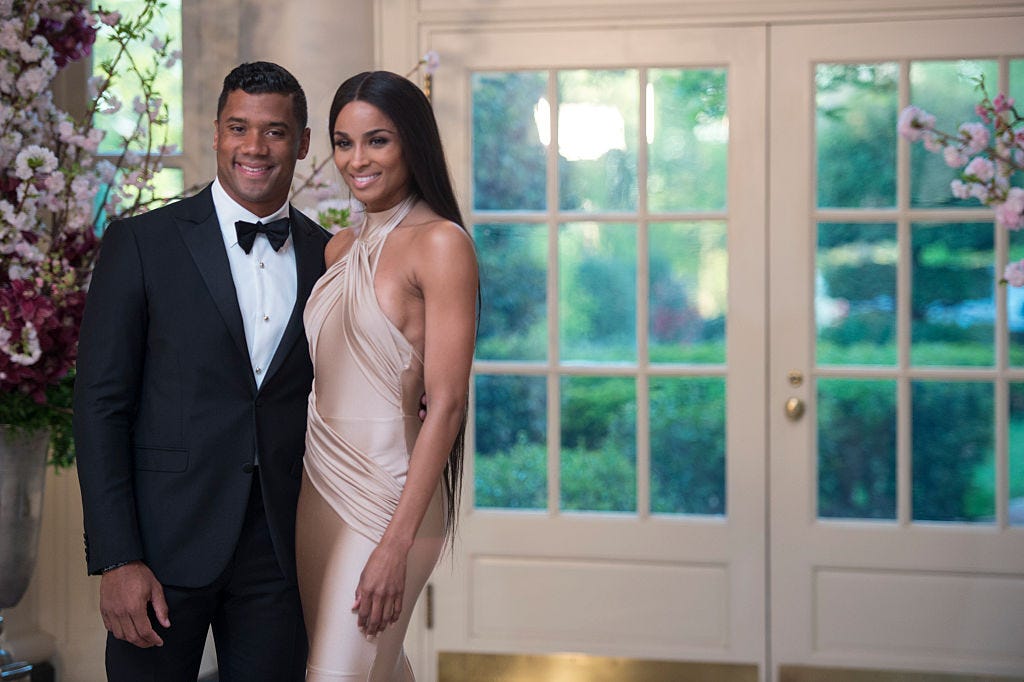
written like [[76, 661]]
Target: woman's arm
[[445, 270]]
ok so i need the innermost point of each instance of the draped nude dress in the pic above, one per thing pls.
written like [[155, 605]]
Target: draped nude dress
[[363, 421]]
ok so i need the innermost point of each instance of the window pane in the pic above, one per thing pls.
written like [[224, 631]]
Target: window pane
[[513, 272], [855, 294], [598, 444], [167, 83], [1016, 454], [597, 140], [1015, 304], [1016, 91], [953, 284], [687, 139], [952, 451], [688, 292], [947, 90], [167, 184], [688, 446], [856, 449], [509, 167], [856, 134], [510, 435], [597, 292]]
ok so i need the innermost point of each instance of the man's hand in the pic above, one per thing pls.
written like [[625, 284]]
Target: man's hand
[[125, 594]]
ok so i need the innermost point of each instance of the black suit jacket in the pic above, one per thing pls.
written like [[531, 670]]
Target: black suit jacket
[[167, 415]]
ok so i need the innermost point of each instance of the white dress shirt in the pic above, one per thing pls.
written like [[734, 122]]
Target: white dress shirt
[[265, 280]]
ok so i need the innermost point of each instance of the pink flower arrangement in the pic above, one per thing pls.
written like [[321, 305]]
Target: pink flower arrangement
[[988, 153], [56, 191]]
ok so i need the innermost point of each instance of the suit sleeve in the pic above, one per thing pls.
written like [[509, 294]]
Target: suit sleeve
[[111, 349]]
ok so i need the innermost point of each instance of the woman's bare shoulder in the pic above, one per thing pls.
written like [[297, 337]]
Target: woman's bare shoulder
[[338, 246]]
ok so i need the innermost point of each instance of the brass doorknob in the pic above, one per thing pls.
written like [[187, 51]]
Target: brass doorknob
[[794, 408]]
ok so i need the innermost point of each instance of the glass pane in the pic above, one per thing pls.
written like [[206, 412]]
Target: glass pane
[[166, 185], [688, 291], [597, 140], [856, 134], [167, 83], [953, 302], [1015, 304], [688, 446], [513, 273], [687, 132], [947, 90], [598, 444], [511, 129], [1016, 91], [1017, 81], [510, 437], [952, 467], [597, 292], [1016, 454], [856, 449], [855, 294]]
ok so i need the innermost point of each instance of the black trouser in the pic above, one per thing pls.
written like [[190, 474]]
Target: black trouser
[[255, 615]]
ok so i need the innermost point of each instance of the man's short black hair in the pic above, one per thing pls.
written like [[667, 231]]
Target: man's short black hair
[[261, 78]]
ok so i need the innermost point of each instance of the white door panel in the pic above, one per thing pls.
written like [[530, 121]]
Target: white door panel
[[624, 584], [894, 593]]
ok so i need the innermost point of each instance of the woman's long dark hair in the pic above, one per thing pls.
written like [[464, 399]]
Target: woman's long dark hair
[[404, 103]]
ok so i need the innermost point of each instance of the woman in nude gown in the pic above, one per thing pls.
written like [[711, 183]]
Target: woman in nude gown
[[392, 318]]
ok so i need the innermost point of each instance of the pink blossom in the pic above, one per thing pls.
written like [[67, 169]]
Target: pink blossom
[[980, 168], [33, 51], [1010, 213], [10, 34], [431, 61], [54, 183], [110, 18], [982, 113], [954, 157], [65, 129], [959, 189], [172, 59], [111, 105], [158, 43], [32, 81], [1002, 103], [976, 136], [1014, 274], [34, 159], [932, 142], [913, 121]]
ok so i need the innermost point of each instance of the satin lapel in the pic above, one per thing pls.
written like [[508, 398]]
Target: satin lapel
[[309, 242], [201, 232]]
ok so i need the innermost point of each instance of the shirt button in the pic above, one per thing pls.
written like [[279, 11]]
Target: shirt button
[[259, 370], [266, 318], [262, 265], [247, 468]]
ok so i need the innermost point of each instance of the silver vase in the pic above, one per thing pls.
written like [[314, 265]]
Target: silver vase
[[22, 474]]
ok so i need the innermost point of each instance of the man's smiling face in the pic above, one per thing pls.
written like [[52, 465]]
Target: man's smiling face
[[258, 141]]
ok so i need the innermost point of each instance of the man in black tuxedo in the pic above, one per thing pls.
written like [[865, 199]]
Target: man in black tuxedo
[[190, 406]]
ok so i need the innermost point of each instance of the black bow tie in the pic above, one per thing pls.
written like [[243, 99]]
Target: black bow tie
[[276, 231]]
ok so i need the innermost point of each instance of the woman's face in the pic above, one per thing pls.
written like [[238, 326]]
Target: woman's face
[[368, 154]]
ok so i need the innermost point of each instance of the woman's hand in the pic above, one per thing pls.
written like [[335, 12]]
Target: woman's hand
[[380, 590]]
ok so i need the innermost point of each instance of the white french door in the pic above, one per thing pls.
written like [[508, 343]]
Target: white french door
[[603, 558], [869, 441], [912, 561]]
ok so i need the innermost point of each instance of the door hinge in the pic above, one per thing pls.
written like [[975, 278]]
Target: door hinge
[[430, 606]]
